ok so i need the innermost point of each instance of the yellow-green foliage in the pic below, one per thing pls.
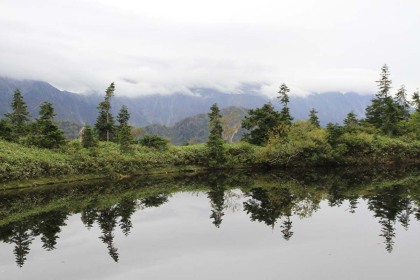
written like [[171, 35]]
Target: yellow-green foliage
[[304, 144], [395, 150], [189, 155], [241, 154], [20, 162], [413, 125]]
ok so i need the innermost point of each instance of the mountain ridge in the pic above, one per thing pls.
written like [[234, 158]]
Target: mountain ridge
[[167, 110]]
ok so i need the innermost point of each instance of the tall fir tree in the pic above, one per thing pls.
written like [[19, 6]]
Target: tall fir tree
[[124, 130], [376, 111], [285, 117], [313, 117], [384, 83], [19, 117], [105, 125], [215, 142], [45, 133], [384, 113]]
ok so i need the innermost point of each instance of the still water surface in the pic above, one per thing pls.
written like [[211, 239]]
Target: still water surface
[[319, 225]]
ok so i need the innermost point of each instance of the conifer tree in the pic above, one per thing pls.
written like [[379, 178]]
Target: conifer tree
[[45, 133], [351, 121], [123, 116], [105, 126], [215, 142], [260, 122], [19, 117], [416, 100], [375, 113], [313, 117], [124, 130], [402, 104], [285, 117], [89, 137], [384, 113]]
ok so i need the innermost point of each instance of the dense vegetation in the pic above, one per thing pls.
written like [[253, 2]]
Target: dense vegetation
[[389, 134]]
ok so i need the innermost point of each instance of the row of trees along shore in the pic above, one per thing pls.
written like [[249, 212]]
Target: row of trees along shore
[[390, 132], [44, 132]]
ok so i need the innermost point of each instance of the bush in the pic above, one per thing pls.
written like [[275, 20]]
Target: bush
[[190, 155], [305, 144], [154, 141], [240, 154]]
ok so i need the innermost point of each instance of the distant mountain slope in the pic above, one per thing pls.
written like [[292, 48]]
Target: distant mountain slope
[[169, 109], [195, 129], [332, 107], [68, 106]]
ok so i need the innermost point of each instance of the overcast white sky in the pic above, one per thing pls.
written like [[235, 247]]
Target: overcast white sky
[[162, 46]]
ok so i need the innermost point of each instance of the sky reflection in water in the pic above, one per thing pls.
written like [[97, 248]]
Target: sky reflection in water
[[249, 226]]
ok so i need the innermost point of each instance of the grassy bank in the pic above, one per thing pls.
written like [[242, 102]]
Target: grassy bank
[[72, 162], [18, 162]]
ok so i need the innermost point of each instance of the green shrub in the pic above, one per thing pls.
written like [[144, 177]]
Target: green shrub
[[240, 154], [154, 141]]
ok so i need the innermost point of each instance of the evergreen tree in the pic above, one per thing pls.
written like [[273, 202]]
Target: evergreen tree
[[215, 142], [124, 130], [313, 117], [375, 113], [260, 122], [45, 133], [19, 116], [124, 138], [89, 137], [104, 126], [285, 117], [351, 122], [402, 104], [384, 83], [123, 116], [416, 100], [384, 113]]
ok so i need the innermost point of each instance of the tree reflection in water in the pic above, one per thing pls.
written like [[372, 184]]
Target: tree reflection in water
[[23, 232], [270, 206], [216, 196], [118, 214], [388, 204], [269, 199]]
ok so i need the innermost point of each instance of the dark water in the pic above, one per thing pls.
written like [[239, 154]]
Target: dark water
[[336, 224]]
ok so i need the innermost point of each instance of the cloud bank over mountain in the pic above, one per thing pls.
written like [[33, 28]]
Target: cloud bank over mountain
[[167, 46]]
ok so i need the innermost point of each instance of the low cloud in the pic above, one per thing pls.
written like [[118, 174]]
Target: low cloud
[[163, 47]]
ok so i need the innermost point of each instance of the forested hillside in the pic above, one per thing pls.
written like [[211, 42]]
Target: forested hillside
[[167, 110]]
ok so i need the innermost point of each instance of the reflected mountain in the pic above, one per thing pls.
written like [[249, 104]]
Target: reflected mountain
[[275, 198]]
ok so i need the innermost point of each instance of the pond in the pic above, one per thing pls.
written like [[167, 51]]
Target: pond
[[300, 224]]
